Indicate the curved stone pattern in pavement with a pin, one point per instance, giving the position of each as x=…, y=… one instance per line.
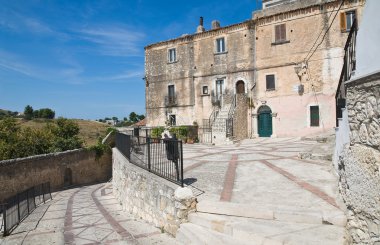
x=85, y=215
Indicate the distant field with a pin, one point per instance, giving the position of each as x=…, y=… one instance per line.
x=90, y=131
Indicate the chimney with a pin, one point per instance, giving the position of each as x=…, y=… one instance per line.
x=200, y=28
x=215, y=25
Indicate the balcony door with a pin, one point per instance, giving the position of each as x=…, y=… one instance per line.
x=171, y=94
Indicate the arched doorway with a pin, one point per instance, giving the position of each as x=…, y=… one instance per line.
x=264, y=121
x=240, y=87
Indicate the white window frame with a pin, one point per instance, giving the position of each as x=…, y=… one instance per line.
x=203, y=92
x=351, y=13
x=172, y=58
x=220, y=45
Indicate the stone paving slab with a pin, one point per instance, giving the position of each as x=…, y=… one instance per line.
x=85, y=215
x=263, y=179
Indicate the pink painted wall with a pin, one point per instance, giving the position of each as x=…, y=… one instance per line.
x=293, y=114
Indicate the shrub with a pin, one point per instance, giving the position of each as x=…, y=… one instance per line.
x=156, y=132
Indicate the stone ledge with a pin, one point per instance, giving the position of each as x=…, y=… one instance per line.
x=367, y=78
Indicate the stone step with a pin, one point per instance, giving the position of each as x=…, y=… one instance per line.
x=228, y=226
x=192, y=234
x=279, y=213
x=258, y=231
x=315, y=156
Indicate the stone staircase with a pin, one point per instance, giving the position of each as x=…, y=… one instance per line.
x=235, y=223
x=219, y=127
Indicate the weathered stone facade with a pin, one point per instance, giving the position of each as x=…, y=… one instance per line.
x=20, y=174
x=150, y=197
x=197, y=65
x=301, y=81
x=360, y=162
x=251, y=53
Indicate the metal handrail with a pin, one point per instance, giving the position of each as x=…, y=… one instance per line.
x=162, y=157
x=213, y=116
x=348, y=69
x=230, y=118
x=18, y=207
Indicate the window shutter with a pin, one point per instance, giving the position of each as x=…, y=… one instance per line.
x=277, y=33
x=343, y=24
x=283, y=32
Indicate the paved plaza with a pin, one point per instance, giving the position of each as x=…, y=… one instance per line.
x=258, y=189
x=261, y=190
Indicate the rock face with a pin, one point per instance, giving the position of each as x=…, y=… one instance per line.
x=150, y=197
x=360, y=162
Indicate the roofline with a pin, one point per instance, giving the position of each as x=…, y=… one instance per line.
x=201, y=34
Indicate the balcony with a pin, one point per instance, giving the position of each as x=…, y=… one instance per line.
x=171, y=100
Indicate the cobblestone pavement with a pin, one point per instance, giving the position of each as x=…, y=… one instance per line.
x=85, y=215
x=263, y=172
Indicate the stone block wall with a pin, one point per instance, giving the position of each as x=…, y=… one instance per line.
x=240, y=117
x=150, y=197
x=359, y=165
x=20, y=174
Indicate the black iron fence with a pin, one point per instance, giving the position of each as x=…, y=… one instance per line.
x=349, y=67
x=18, y=207
x=163, y=157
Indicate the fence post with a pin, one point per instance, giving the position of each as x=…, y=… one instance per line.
x=148, y=143
x=5, y=219
x=27, y=200
x=34, y=196
x=50, y=191
x=181, y=163
x=18, y=207
x=43, y=192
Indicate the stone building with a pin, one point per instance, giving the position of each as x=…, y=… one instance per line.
x=274, y=75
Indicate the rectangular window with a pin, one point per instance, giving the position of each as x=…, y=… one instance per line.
x=172, y=56
x=172, y=120
x=205, y=89
x=314, y=116
x=171, y=91
x=347, y=20
x=280, y=33
x=220, y=45
x=271, y=84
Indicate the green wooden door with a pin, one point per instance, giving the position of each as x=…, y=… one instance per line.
x=265, y=124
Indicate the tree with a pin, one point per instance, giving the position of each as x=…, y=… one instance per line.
x=17, y=142
x=46, y=113
x=115, y=119
x=141, y=117
x=133, y=117
x=66, y=135
x=28, y=112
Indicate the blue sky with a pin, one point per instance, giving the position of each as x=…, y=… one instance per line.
x=85, y=59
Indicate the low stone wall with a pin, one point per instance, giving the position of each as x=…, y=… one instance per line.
x=150, y=197
x=360, y=162
x=76, y=167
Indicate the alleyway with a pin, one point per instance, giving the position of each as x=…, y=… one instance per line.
x=85, y=215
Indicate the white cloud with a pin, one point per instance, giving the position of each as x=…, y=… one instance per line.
x=114, y=41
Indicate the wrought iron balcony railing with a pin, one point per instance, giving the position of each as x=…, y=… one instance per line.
x=349, y=67
x=171, y=100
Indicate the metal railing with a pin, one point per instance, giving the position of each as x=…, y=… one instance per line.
x=230, y=118
x=18, y=207
x=349, y=67
x=213, y=116
x=171, y=100
x=163, y=157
